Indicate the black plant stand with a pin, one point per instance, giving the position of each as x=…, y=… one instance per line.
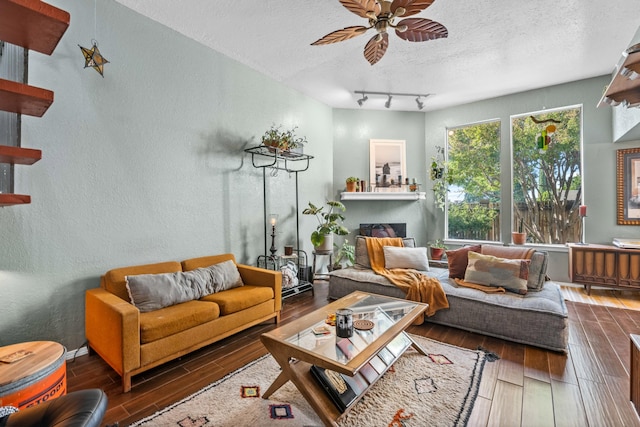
x=291, y=162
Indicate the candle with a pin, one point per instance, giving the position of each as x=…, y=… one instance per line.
x=583, y=210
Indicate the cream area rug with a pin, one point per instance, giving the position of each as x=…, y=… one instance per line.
x=435, y=390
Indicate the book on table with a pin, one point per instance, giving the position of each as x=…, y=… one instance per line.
x=338, y=388
x=627, y=243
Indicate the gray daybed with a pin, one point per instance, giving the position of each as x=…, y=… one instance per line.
x=539, y=318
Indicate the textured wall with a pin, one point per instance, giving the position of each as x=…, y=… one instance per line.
x=352, y=131
x=145, y=165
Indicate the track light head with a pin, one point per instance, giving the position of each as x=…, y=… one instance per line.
x=420, y=103
x=363, y=99
x=388, y=103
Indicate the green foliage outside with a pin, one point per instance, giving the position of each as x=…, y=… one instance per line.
x=547, y=183
x=474, y=168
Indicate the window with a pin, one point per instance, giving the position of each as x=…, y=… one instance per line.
x=473, y=178
x=547, y=184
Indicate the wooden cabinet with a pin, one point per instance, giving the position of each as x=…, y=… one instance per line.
x=38, y=26
x=604, y=265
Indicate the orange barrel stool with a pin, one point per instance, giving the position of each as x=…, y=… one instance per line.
x=32, y=373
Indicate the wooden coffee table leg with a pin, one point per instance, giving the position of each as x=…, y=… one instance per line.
x=416, y=346
x=282, y=379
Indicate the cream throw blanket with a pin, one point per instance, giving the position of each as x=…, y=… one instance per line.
x=417, y=286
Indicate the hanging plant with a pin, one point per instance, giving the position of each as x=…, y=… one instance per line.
x=440, y=178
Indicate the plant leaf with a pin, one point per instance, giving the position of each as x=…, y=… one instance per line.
x=341, y=35
x=420, y=30
x=374, y=50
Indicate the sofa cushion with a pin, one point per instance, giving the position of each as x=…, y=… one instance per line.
x=238, y=299
x=458, y=260
x=151, y=292
x=403, y=257
x=362, y=253
x=167, y=321
x=115, y=281
x=537, y=268
x=488, y=270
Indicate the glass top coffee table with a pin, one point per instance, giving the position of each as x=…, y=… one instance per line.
x=333, y=373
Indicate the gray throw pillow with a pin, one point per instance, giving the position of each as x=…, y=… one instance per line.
x=151, y=292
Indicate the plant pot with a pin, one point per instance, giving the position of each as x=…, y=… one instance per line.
x=273, y=145
x=327, y=245
x=436, y=253
x=351, y=186
x=519, y=238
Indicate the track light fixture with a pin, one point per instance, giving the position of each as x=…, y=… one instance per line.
x=363, y=99
x=388, y=103
x=390, y=95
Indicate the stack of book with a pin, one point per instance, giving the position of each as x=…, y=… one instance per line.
x=627, y=243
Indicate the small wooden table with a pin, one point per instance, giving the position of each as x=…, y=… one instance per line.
x=38, y=374
x=296, y=348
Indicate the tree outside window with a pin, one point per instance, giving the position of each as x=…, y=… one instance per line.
x=473, y=173
x=547, y=184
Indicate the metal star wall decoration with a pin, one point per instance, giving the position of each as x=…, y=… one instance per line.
x=93, y=58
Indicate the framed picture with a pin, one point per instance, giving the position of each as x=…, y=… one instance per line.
x=628, y=186
x=387, y=164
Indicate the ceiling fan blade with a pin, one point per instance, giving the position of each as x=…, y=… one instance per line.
x=374, y=50
x=362, y=7
x=411, y=7
x=420, y=30
x=341, y=35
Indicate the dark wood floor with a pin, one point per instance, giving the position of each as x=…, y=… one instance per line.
x=526, y=387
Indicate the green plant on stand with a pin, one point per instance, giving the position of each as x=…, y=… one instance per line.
x=284, y=140
x=329, y=223
x=346, y=252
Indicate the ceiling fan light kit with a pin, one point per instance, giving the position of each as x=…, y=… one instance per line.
x=382, y=15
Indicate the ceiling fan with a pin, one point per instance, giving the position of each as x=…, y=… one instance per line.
x=381, y=15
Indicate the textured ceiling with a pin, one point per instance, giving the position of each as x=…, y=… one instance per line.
x=495, y=47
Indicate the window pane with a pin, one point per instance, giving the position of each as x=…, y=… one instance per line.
x=547, y=184
x=473, y=173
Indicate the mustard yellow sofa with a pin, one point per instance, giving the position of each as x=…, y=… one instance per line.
x=131, y=341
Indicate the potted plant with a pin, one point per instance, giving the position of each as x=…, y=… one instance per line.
x=329, y=223
x=440, y=178
x=284, y=140
x=519, y=237
x=346, y=252
x=437, y=249
x=352, y=184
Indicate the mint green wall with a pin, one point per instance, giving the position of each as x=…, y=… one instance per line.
x=351, y=133
x=353, y=128
x=145, y=165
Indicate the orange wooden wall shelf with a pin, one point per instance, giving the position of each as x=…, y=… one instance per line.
x=24, y=99
x=14, y=199
x=32, y=24
x=19, y=155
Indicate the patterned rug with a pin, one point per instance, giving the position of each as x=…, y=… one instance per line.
x=438, y=390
